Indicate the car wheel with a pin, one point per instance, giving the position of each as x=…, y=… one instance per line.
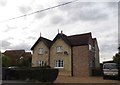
x=104, y=77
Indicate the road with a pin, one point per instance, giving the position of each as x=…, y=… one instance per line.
x=63, y=80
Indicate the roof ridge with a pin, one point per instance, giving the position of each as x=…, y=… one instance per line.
x=80, y=34
x=46, y=38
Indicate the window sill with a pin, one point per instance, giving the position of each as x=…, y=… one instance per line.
x=40, y=54
x=59, y=67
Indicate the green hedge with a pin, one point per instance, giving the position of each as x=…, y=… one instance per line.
x=41, y=74
x=97, y=72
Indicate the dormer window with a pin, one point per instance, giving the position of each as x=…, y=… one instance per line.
x=59, y=49
x=41, y=51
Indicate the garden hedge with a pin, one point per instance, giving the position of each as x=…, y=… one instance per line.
x=41, y=74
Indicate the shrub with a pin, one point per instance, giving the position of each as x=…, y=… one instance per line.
x=41, y=74
x=97, y=72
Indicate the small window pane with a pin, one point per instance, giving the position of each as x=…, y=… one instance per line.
x=59, y=49
x=59, y=64
x=40, y=63
x=41, y=51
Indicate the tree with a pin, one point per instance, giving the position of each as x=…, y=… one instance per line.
x=22, y=62
x=116, y=59
x=6, y=61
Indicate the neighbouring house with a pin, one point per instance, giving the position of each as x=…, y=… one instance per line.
x=18, y=56
x=74, y=55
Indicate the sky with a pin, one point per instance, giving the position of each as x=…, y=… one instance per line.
x=99, y=18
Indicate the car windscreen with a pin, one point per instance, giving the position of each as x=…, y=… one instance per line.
x=110, y=66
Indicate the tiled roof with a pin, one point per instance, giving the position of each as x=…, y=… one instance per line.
x=46, y=41
x=80, y=39
x=63, y=37
x=94, y=40
x=27, y=55
x=73, y=40
x=14, y=53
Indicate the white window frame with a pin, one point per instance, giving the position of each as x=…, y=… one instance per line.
x=40, y=63
x=59, y=64
x=59, y=49
x=41, y=51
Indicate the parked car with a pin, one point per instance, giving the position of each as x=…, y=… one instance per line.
x=12, y=67
x=110, y=70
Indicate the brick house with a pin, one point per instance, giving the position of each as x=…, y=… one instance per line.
x=74, y=55
x=17, y=55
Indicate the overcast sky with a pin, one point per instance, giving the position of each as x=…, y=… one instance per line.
x=99, y=18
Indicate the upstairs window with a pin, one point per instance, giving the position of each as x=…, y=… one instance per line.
x=59, y=64
x=59, y=49
x=41, y=51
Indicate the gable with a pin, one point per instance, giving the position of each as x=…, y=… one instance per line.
x=60, y=42
x=62, y=37
x=44, y=40
x=41, y=44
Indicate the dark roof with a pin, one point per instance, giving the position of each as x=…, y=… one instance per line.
x=27, y=55
x=94, y=41
x=73, y=40
x=63, y=37
x=14, y=53
x=80, y=39
x=46, y=41
x=108, y=61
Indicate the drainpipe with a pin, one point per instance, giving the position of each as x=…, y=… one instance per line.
x=49, y=57
x=71, y=61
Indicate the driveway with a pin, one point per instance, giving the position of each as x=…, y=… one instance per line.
x=64, y=79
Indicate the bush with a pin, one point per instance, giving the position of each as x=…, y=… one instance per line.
x=97, y=72
x=41, y=74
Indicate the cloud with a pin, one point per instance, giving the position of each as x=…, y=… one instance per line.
x=112, y=5
x=24, y=46
x=5, y=44
x=57, y=20
x=31, y=38
x=108, y=48
x=81, y=11
x=9, y=28
x=40, y=15
x=3, y=2
x=25, y=9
